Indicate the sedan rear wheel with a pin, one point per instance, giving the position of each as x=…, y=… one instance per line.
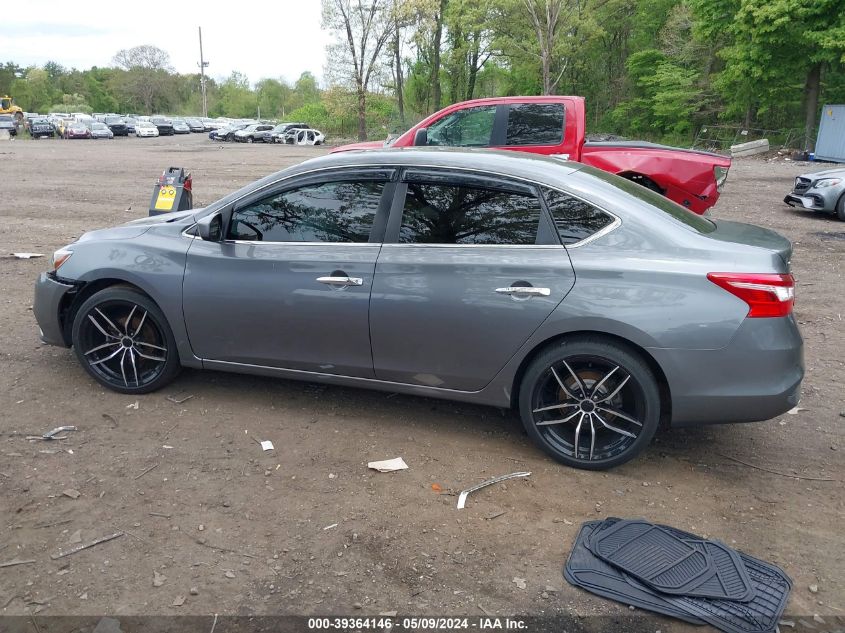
x=840, y=208
x=123, y=340
x=590, y=403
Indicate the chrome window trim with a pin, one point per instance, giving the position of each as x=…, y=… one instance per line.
x=617, y=221
x=423, y=245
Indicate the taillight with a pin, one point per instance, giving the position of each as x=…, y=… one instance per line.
x=767, y=295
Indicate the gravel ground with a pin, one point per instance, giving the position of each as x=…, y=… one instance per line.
x=215, y=524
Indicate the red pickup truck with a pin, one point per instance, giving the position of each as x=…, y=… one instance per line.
x=556, y=126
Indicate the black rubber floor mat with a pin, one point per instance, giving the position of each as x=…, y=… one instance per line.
x=584, y=569
x=731, y=580
x=759, y=615
x=655, y=556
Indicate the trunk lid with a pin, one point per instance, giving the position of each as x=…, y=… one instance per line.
x=751, y=235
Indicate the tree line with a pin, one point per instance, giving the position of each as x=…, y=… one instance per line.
x=655, y=69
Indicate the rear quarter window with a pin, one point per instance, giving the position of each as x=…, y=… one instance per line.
x=575, y=219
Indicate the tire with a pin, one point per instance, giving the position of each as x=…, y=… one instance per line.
x=621, y=407
x=249, y=139
x=123, y=340
x=840, y=208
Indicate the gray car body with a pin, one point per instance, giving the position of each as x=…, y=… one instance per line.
x=806, y=194
x=427, y=321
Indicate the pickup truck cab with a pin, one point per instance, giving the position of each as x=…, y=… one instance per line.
x=556, y=126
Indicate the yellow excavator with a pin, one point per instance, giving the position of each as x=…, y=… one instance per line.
x=7, y=106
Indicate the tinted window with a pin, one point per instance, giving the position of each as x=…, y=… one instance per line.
x=326, y=212
x=535, y=124
x=442, y=214
x=471, y=127
x=681, y=214
x=575, y=219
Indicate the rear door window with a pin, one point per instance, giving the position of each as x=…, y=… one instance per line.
x=436, y=213
x=535, y=124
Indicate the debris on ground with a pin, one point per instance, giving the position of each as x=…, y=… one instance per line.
x=134, y=405
x=267, y=445
x=814, y=588
x=229, y=573
x=52, y=434
x=796, y=410
x=70, y=492
x=519, y=582
x=462, y=498
x=178, y=601
x=436, y=488
x=329, y=527
x=144, y=472
x=388, y=465
x=75, y=538
x=79, y=548
x=17, y=561
x=177, y=400
x=158, y=579
x=27, y=255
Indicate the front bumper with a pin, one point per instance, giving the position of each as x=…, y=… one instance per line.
x=756, y=377
x=821, y=199
x=49, y=299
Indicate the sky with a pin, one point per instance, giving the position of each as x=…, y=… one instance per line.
x=275, y=39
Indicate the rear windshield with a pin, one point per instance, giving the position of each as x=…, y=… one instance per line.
x=681, y=214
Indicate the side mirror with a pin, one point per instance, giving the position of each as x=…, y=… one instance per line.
x=210, y=228
x=421, y=137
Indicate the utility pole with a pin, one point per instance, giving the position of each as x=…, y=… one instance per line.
x=203, y=64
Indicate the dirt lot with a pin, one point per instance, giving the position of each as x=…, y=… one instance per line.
x=307, y=528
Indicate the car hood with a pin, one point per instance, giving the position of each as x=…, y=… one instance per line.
x=359, y=146
x=838, y=172
x=162, y=218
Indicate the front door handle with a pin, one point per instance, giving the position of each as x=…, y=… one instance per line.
x=341, y=281
x=524, y=291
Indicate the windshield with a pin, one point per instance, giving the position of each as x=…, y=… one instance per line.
x=114, y=119
x=100, y=126
x=656, y=200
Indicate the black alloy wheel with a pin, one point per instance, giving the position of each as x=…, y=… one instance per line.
x=123, y=340
x=590, y=403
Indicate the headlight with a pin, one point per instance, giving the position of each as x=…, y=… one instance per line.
x=827, y=182
x=721, y=175
x=60, y=257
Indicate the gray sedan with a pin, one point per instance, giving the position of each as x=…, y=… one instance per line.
x=820, y=191
x=595, y=307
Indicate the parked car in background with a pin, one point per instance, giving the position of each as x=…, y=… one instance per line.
x=77, y=130
x=180, y=126
x=41, y=127
x=130, y=124
x=253, y=133
x=556, y=126
x=227, y=133
x=117, y=125
x=195, y=125
x=299, y=136
x=8, y=123
x=278, y=133
x=569, y=271
x=210, y=124
x=145, y=129
x=820, y=191
x=101, y=130
x=164, y=125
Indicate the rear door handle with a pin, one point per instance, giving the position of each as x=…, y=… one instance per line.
x=524, y=291
x=341, y=281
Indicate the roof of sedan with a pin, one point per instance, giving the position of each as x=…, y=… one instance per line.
x=512, y=163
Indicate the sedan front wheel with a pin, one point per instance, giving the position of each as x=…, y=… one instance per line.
x=123, y=341
x=590, y=403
